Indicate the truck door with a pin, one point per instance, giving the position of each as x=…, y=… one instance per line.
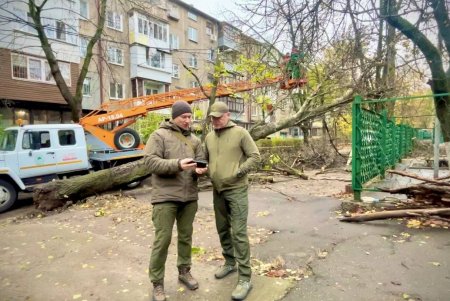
x=71, y=153
x=36, y=156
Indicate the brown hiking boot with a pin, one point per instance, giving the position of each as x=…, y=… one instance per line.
x=158, y=292
x=186, y=278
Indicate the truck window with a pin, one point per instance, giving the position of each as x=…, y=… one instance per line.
x=8, y=140
x=67, y=137
x=36, y=140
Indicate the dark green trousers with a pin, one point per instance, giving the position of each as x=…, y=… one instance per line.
x=231, y=211
x=164, y=216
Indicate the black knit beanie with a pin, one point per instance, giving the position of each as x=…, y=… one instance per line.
x=180, y=107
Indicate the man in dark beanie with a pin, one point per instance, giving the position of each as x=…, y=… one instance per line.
x=170, y=154
x=180, y=107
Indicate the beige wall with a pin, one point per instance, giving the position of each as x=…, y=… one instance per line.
x=200, y=48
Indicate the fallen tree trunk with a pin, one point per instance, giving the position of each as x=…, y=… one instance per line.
x=395, y=214
x=292, y=172
x=414, y=176
x=55, y=194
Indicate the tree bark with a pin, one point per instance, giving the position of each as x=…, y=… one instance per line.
x=55, y=194
x=395, y=214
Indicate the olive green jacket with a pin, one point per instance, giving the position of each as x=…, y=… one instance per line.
x=163, y=151
x=231, y=153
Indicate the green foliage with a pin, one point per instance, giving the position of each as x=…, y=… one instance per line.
x=198, y=113
x=254, y=68
x=146, y=126
x=276, y=142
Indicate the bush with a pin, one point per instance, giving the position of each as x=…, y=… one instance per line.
x=277, y=142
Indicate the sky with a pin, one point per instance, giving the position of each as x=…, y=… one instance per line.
x=214, y=8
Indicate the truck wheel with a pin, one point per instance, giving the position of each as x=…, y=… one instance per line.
x=126, y=139
x=8, y=195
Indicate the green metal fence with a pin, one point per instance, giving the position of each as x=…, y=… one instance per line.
x=377, y=144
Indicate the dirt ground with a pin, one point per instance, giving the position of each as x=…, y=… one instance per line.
x=100, y=247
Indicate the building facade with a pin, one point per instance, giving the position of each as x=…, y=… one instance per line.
x=146, y=48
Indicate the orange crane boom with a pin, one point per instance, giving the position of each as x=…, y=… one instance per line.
x=129, y=110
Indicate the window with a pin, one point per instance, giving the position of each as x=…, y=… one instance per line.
x=192, y=34
x=193, y=61
x=67, y=137
x=115, y=55
x=84, y=9
x=174, y=41
x=209, y=28
x=20, y=69
x=210, y=55
x=60, y=30
x=158, y=30
x=150, y=88
x=157, y=60
x=24, y=21
x=87, y=86
x=254, y=110
x=37, y=69
x=192, y=16
x=8, y=142
x=65, y=72
x=194, y=84
x=114, y=20
x=83, y=46
x=235, y=104
x=48, y=73
x=36, y=140
x=175, y=71
x=143, y=26
x=116, y=90
x=39, y=116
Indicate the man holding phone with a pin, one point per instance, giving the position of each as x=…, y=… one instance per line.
x=231, y=153
x=170, y=153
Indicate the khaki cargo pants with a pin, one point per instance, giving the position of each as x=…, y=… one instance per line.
x=164, y=216
x=231, y=211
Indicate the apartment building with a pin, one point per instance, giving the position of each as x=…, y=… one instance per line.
x=27, y=88
x=142, y=51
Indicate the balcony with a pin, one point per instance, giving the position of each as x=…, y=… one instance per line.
x=225, y=43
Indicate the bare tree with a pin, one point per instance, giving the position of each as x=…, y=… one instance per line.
x=432, y=20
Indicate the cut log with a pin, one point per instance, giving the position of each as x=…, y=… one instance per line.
x=55, y=194
x=395, y=214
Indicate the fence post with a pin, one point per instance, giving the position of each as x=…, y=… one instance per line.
x=356, y=147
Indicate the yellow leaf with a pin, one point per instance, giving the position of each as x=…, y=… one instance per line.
x=181, y=289
x=405, y=296
x=76, y=296
x=435, y=263
x=414, y=223
x=263, y=213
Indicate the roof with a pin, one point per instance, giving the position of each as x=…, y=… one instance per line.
x=194, y=9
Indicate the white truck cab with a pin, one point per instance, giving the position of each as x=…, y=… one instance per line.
x=35, y=154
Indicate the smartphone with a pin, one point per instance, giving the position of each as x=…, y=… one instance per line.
x=201, y=163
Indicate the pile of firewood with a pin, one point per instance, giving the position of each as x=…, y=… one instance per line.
x=428, y=199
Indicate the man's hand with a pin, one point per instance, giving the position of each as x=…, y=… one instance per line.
x=187, y=163
x=201, y=171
